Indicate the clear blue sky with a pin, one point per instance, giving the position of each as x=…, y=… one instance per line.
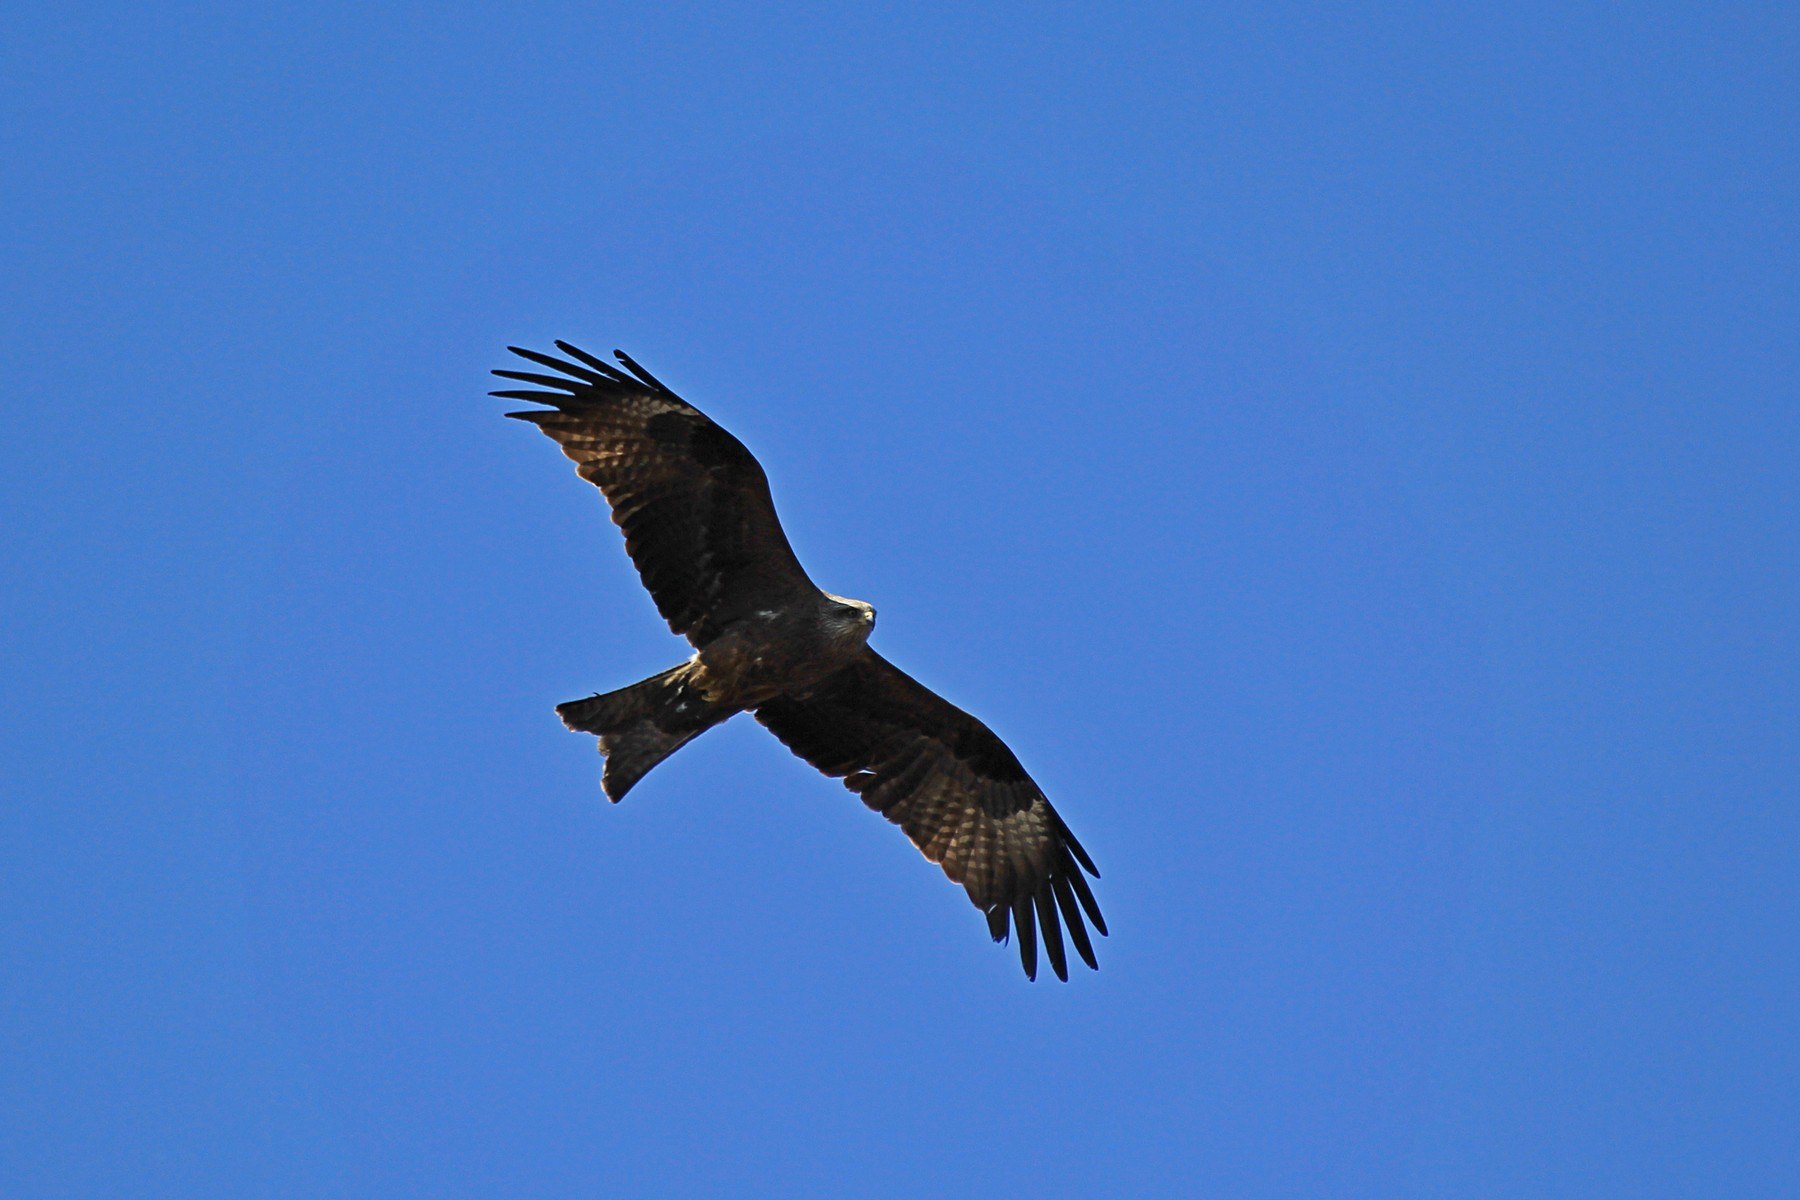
x=1354, y=459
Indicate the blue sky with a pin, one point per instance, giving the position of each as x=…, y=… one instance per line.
x=1352, y=457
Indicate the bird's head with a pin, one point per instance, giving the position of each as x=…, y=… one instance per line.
x=853, y=617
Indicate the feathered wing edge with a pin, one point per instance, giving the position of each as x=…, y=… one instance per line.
x=694, y=504
x=1065, y=890
x=586, y=371
x=896, y=744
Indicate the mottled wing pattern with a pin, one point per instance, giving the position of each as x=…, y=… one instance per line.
x=694, y=503
x=957, y=791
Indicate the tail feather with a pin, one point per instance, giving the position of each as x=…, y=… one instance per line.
x=643, y=724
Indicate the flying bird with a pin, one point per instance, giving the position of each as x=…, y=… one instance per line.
x=700, y=526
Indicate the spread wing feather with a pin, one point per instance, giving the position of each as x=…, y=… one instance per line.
x=694, y=504
x=957, y=792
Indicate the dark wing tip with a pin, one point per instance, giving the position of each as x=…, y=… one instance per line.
x=998, y=925
x=599, y=364
x=1051, y=931
x=631, y=365
x=1085, y=894
x=571, y=386
x=1075, y=848
x=1025, y=917
x=1055, y=905
x=1065, y=900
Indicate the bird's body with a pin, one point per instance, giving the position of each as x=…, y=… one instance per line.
x=700, y=525
x=783, y=651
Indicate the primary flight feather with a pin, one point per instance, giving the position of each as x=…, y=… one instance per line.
x=700, y=526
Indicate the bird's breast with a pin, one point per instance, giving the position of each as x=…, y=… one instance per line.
x=759, y=659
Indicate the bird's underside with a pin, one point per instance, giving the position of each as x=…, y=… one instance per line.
x=700, y=526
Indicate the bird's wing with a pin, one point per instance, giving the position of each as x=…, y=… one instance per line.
x=694, y=503
x=957, y=791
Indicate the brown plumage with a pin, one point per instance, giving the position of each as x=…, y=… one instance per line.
x=700, y=526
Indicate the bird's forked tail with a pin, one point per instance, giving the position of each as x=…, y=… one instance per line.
x=643, y=724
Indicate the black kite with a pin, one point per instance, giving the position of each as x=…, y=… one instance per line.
x=701, y=528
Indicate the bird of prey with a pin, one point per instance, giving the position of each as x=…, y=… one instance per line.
x=700, y=526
